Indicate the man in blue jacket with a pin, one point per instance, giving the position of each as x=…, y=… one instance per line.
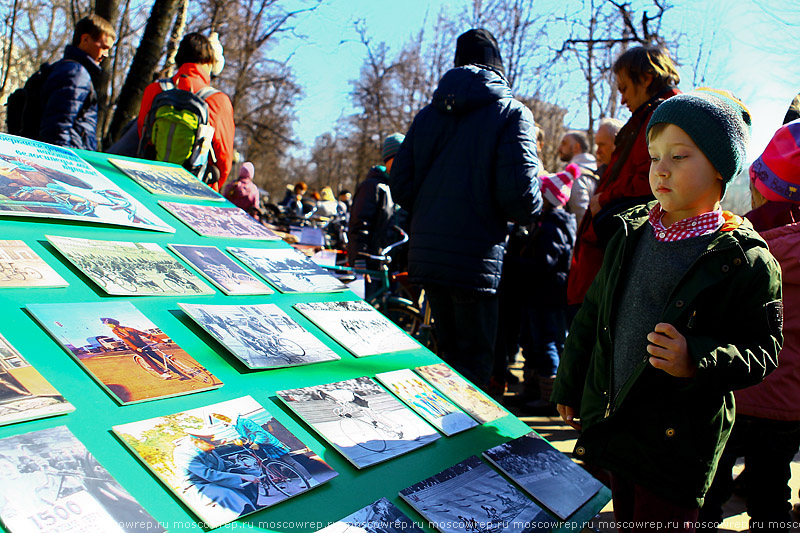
x=467, y=166
x=69, y=99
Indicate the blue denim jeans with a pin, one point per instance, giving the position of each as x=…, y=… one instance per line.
x=544, y=331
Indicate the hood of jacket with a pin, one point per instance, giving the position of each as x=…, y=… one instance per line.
x=466, y=88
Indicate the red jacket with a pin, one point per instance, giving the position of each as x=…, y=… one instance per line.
x=191, y=77
x=630, y=181
x=778, y=396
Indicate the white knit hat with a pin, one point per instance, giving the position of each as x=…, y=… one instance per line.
x=219, y=58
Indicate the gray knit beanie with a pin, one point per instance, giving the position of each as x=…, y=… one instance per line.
x=717, y=122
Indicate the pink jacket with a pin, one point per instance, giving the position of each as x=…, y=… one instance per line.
x=778, y=396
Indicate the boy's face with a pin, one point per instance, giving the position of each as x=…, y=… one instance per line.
x=682, y=178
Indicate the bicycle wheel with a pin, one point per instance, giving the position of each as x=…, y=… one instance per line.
x=139, y=360
x=173, y=285
x=124, y=284
x=363, y=434
x=289, y=349
x=285, y=478
x=189, y=368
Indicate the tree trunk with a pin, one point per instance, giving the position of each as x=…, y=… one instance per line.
x=175, y=36
x=143, y=66
x=108, y=9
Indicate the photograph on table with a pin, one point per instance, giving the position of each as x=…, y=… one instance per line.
x=358, y=327
x=381, y=516
x=42, y=180
x=426, y=401
x=50, y=482
x=226, y=460
x=166, y=179
x=545, y=473
x=220, y=270
x=366, y=424
x=471, y=496
x=461, y=392
x=20, y=266
x=129, y=356
x=261, y=335
x=24, y=393
x=130, y=268
x=287, y=270
x=213, y=221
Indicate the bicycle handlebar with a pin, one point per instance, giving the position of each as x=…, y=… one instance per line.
x=384, y=253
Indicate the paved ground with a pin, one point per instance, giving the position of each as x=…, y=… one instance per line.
x=563, y=438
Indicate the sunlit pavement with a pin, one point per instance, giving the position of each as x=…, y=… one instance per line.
x=563, y=438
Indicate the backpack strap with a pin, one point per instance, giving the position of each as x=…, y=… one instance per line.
x=206, y=92
x=166, y=84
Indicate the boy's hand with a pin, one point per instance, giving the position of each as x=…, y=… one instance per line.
x=568, y=415
x=669, y=352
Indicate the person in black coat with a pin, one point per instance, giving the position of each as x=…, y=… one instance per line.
x=69, y=99
x=467, y=166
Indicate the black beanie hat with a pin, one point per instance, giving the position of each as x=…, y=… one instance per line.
x=478, y=47
x=717, y=122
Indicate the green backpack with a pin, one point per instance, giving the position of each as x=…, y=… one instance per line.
x=176, y=129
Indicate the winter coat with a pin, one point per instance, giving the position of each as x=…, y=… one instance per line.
x=69, y=115
x=467, y=165
x=625, y=183
x=662, y=432
x=191, y=77
x=243, y=193
x=543, y=261
x=778, y=397
x=371, y=215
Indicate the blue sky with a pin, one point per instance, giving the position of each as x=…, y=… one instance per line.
x=754, y=43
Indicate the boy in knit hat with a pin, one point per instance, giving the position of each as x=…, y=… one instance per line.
x=543, y=263
x=686, y=308
x=767, y=429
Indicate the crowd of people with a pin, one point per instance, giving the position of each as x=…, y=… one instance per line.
x=638, y=303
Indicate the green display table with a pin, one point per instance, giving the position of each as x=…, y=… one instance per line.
x=96, y=412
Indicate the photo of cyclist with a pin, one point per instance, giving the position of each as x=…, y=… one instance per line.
x=263, y=443
x=140, y=342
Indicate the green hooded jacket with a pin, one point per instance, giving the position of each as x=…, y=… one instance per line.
x=663, y=432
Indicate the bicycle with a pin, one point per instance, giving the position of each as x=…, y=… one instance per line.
x=11, y=272
x=274, y=346
x=362, y=426
x=416, y=321
x=171, y=364
x=177, y=284
x=272, y=472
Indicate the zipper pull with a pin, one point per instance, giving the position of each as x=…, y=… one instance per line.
x=690, y=324
x=608, y=409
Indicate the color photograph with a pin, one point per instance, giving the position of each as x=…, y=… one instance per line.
x=213, y=221
x=462, y=392
x=166, y=179
x=129, y=356
x=220, y=270
x=226, y=460
x=130, y=268
x=20, y=266
x=49, y=482
x=426, y=401
x=358, y=326
x=24, y=393
x=545, y=473
x=261, y=336
x=360, y=419
x=42, y=180
x=470, y=496
x=287, y=269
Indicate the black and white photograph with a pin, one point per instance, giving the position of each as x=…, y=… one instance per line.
x=287, y=270
x=470, y=496
x=261, y=335
x=130, y=268
x=213, y=221
x=220, y=270
x=381, y=516
x=49, y=482
x=545, y=473
x=20, y=266
x=365, y=423
x=358, y=326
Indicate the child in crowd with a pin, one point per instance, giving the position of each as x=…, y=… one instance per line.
x=686, y=308
x=767, y=429
x=544, y=258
